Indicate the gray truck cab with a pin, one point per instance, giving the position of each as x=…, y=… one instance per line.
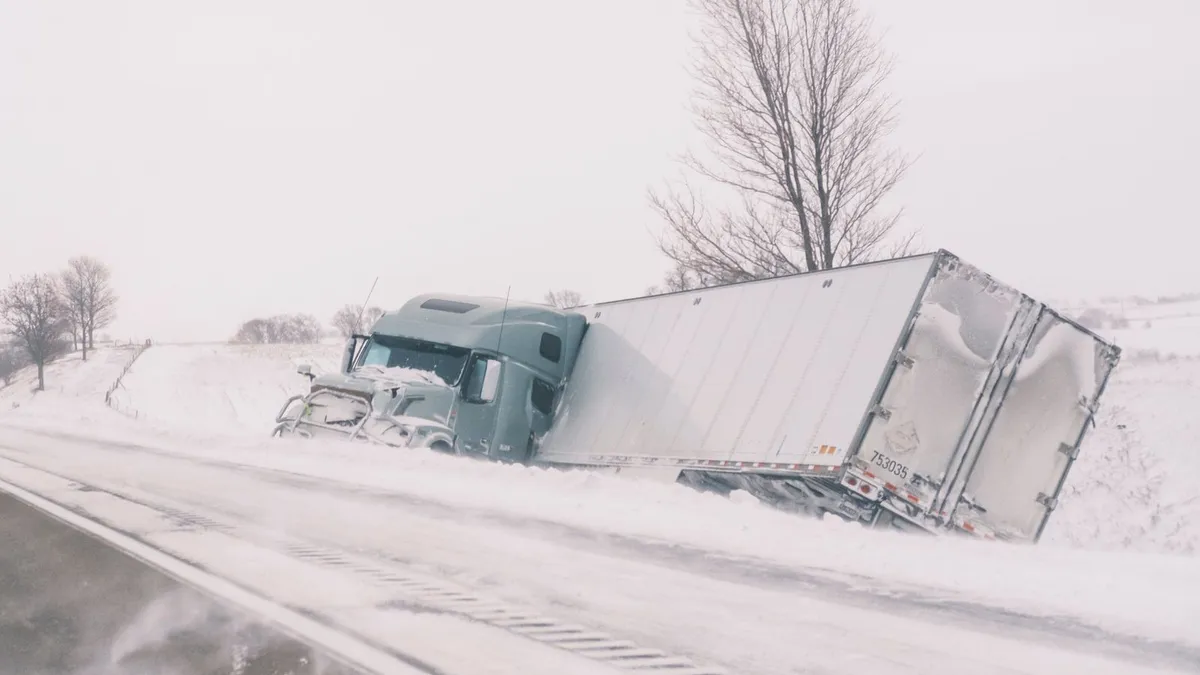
x=489, y=371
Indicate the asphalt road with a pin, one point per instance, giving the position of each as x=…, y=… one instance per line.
x=69, y=604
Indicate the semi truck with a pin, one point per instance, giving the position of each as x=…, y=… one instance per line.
x=916, y=393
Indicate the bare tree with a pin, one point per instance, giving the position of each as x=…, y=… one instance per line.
x=74, y=298
x=11, y=361
x=564, y=299
x=90, y=298
x=33, y=311
x=680, y=278
x=281, y=329
x=791, y=97
x=347, y=320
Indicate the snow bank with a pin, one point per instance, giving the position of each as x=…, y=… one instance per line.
x=1136, y=484
x=70, y=382
x=234, y=387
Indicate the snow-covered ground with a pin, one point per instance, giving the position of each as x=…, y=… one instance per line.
x=71, y=383
x=230, y=387
x=720, y=580
x=732, y=584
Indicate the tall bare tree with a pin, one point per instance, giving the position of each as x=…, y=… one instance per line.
x=33, y=312
x=791, y=97
x=74, y=298
x=89, y=294
x=563, y=299
x=353, y=319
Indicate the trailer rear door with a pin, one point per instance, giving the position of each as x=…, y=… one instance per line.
x=1015, y=478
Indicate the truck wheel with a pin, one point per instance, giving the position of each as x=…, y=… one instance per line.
x=443, y=447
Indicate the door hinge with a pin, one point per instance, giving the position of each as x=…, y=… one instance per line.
x=1047, y=501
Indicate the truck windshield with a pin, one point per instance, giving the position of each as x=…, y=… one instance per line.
x=397, y=352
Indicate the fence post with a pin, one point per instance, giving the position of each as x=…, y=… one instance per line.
x=124, y=371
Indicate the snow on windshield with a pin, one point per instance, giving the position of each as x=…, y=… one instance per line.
x=404, y=374
x=400, y=356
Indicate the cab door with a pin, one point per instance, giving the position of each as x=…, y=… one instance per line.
x=480, y=392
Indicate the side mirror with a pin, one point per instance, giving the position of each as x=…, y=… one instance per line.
x=484, y=381
x=491, y=381
x=306, y=370
x=348, y=354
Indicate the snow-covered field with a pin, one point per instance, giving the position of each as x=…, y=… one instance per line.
x=1119, y=555
x=228, y=387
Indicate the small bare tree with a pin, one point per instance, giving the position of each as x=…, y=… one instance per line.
x=791, y=97
x=90, y=298
x=564, y=299
x=33, y=311
x=347, y=320
x=11, y=361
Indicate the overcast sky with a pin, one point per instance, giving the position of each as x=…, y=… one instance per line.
x=233, y=159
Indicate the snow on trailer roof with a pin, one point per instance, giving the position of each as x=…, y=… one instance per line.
x=939, y=254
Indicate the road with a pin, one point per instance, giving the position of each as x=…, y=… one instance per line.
x=69, y=604
x=425, y=579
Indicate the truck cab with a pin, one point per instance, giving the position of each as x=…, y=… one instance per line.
x=482, y=375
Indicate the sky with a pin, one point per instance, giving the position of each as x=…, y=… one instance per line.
x=237, y=159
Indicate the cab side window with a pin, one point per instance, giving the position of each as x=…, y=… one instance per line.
x=542, y=396
x=550, y=347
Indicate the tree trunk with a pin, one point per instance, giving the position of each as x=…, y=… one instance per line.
x=41, y=375
x=83, y=341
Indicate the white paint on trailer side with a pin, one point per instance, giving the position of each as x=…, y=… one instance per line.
x=624, y=377
x=765, y=371
x=778, y=389
x=654, y=384
x=748, y=391
x=850, y=358
x=751, y=304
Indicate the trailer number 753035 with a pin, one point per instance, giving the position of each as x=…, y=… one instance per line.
x=890, y=465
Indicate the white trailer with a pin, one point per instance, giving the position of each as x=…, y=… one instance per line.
x=917, y=392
